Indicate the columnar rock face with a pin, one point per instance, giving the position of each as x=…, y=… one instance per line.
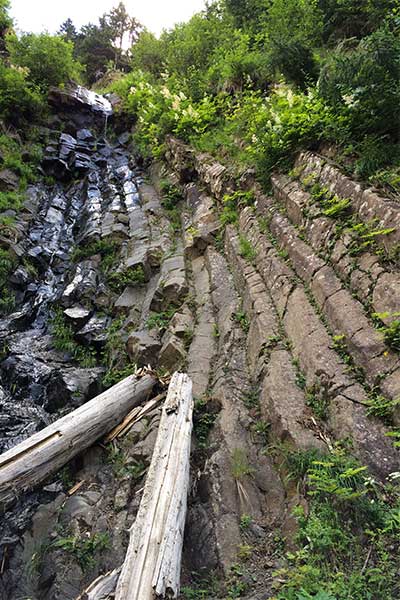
x=271, y=318
x=95, y=255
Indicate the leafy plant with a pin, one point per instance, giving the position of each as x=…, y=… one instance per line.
x=107, y=249
x=239, y=464
x=241, y=318
x=251, y=398
x=246, y=249
x=121, y=466
x=48, y=59
x=391, y=333
x=64, y=341
x=381, y=407
x=203, y=421
x=161, y=319
x=83, y=549
x=118, y=280
x=245, y=522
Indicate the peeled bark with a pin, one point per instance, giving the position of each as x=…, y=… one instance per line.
x=33, y=460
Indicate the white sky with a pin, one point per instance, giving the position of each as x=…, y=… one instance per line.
x=38, y=15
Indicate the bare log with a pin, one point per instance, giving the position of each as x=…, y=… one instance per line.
x=152, y=564
x=33, y=460
x=134, y=416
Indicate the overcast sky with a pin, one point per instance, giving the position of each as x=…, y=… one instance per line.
x=37, y=15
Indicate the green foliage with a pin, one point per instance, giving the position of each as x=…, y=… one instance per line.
x=295, y=463
x=203, y=420
x=5, y=19
x=236, y=583
x=123, y=467
x=100, y=46
x=251, y=398
x=48, y=59
x=20, y=103
x=363, y=83
x=161, y=319
x=248, y=13
x=344, y=19
x=338, y=478
x=318, y=401
x=63, y=335
x=160, y=110
x=148, y=53
x=84, y=549
x=115, y=375
x=246, y=249
x=391, y=332
x=245, y=522
x=171, y=194
x=115, y=357
x=280, y=125
x=240, y=466
x=239, y=66
x=294, y=28
x=7, y=266
x=346, y=514
x=107, y=249
x=118, y=280
x=241, y=318
x=205, y=82
x=232, y=203
x=66, y=477
x=381, y=407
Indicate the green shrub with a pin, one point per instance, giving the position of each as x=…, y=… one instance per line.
x=148, y=53
x=278, y=126
x=203, y=422
x=246, y=249
x=48, y=59
x=7, y=266
x=83, y=549
x=64, y=341
x=294, y=28
x=363, y=83
x=20, y=103
x=118, y=280
x=391, y=334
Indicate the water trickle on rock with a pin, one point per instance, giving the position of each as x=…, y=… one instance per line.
x=94, y=179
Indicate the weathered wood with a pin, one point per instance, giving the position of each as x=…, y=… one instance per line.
x=102, y=588
x=33, y=460
x=135, y=415
x=152, y=564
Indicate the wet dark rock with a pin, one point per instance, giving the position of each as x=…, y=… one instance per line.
x=93, y=198
x=83, y=285
x=67, y=147
x=124, y=138
x=55, y=167
x=95, y=331
x=76, y=97
x=85, y=135
x=77, y=314
x=20, y=277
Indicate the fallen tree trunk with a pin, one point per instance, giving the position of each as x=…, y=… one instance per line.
x=33, y=460
x=153, y=560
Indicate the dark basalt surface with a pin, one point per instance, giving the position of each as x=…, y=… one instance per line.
x=39, y=383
